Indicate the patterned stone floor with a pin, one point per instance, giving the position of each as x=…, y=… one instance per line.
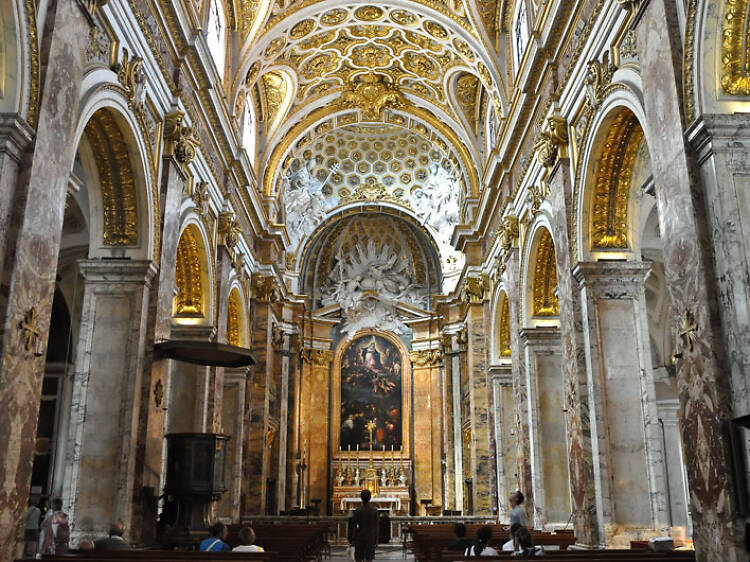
x=338, y=554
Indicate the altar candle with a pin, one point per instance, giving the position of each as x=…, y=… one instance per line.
x=349, y=447
x=358, y=447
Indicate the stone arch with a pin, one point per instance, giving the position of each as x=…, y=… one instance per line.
x=111, y=162
x=193, y=298
x=615, y=165
x=236, y=318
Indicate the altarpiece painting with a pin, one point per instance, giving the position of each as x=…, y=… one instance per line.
x=371, y=384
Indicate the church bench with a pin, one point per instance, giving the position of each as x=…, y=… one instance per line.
x=614, y=555
x=157, y=556
x=299, y=542
x=429, y=540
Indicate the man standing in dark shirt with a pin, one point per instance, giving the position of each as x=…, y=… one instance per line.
x=365, y=523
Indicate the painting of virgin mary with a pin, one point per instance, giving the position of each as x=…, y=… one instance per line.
x=371, y=391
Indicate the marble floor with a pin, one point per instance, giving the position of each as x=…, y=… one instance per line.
x=338, y=554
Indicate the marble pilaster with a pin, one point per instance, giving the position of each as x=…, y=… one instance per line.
x=100, y=467
x=232, y=406
x=721, y=143
x=15, y=138
x=547, y=427
x=427, y=427
x=284, y=419
x=314, y=426
x=704, y=381
x=157, y=377
x=480, y=466
x=255, y=397
x=27, y=283
x=573, y=363
x=628, y=459
x=454, y=409
x=522, y=473
x=504, y=427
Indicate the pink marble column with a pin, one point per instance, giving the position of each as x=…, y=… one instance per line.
x=27, y=281
x=702, y=374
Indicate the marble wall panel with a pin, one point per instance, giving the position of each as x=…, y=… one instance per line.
x=479, y=394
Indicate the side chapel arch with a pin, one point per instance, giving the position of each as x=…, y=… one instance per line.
x=193, y=298
x=111, y=166
x=539, y=277
x=236, y=318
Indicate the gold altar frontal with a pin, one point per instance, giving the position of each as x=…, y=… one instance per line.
x=388, y=484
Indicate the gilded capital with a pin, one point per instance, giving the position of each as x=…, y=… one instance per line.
x=229, y=229
x=426, y=357
x=475, y=289
x=507, y=232
x=132, y=77
x=319, y=357
x=179, y=140
x=266, y=289
x=552, y=143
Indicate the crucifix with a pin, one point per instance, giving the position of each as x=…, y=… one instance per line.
x=371, y=427
x=688, y=331
x=30, y=331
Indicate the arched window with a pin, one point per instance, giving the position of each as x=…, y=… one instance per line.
x=248, y=128
x=520, y=33
x=216, y=37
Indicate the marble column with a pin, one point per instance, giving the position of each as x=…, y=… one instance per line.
x=15, y=138
x=151, y=466
x=100, y=468
x=480, y=466
x=284, y=418
x=427, y=444
x=505, y=439
x=703, y=374
x=574, y=366
x=314, y=427
x=255, y=426
x=32, y=237
x=216, y=374
x=625, y=434
x=453, y=413
x=186, y=410
x=721, y=143
x=232, y=406
x=547, y=427
x=522, y=474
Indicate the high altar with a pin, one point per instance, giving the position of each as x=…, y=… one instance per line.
x=374, y=440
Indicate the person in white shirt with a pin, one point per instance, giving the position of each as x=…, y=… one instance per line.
x=484, y=534
x=517, y=514
x=247, y=538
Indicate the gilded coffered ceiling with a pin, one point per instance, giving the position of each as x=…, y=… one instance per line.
x=383, y=97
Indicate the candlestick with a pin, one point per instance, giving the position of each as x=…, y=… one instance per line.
x=349, y=447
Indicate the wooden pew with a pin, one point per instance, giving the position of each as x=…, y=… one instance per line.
x=584, y=556
x=157, y=556
x=428, y=541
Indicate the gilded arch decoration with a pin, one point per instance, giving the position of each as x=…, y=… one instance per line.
x=117, y=182
x=611, y=195
x=544, y=285
x=735, y=52
x=503, y=333
x=190, y=275
x=235, y=319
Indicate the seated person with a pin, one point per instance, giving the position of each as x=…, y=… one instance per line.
x=525, y=545
x=247, y=541
x=215, y=543
x=461, y=543
x=484, y=534
x=510, y=545
x=114, y=541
